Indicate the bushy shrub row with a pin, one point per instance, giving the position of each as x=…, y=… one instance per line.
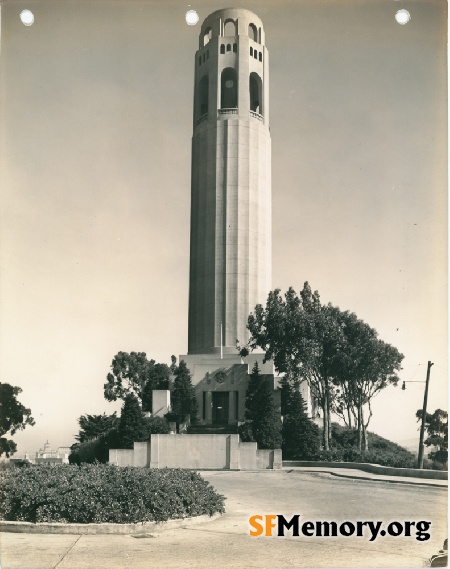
x=374, y=456
x=98, y=493
x=381, y=451
x=98, y=449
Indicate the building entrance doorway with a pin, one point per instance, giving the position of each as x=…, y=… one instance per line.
x=220, y=403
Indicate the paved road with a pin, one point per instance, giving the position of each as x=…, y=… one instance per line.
x=225, y=543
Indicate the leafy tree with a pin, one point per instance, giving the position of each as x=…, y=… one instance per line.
x=134, y=373
x=183, y=399
x=364, y=367
x=301, y=437
x=13, y=417
x=301, y=337
x=92, y=426
x=436, y=425
x=320, y=344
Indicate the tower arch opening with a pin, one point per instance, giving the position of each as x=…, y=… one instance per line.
x=203, y=96
x=253, y=32
x=207, y=36
x=255, y=85
x=228, y=89
x=229, y=28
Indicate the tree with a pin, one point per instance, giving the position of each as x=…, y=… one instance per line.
x=301, y=437
x=134, y=373
x=183, y=399
x=301, y=337
x=266, y=422
x=262, y=417
x=436, y=425
x=131, y=425
x=252, y=389
x=92, y=426
x=322, y=345
x=13, y=417
x=363, y=367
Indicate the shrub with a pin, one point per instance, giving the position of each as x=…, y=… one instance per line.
x=97, y=493
x=266, y=425
x=155, y=426
x=301, y=438
x=245, y=431
x=375, y=456
x=98, y=449
x=184, y=401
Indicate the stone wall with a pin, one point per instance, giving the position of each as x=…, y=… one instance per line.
x=214, y=452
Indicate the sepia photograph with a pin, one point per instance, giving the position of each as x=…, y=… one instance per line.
x=223, y=284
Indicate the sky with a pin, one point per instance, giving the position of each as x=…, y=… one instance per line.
x=95, y=145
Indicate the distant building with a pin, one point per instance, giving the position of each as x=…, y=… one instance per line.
x=48, y=455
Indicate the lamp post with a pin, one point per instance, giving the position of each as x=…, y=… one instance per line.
x=424, y=413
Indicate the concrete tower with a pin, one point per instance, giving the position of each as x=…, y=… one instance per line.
x=230, y=250
x=230, y=260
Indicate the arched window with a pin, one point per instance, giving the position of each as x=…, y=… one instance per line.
x=229, y=47
x=251, y=51
x=255, y=54
x=228, y=89
x=229, y=28
x=203, y=96
x=260, y=56
x=252, y=32
x=235, y=47
x=207, y=36
x=222, y=49
x=256, y=102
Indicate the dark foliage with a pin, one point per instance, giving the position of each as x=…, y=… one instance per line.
x=131, y=425
x=382, y=451
x=301, y=437
x=436, y=425
x=96, y=493
x=97, y=450
x=13, y=417
x=183, y=397
x=134, y=373
x=266, y=424
x=93, y=426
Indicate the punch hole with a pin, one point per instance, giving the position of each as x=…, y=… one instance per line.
x=191, y=17
x=402, y=17
x=27, y=17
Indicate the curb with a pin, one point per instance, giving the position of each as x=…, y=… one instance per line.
x=376, y=469
x=390, y=480
x=99, y=529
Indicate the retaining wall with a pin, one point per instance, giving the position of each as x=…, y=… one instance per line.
x=209, y=452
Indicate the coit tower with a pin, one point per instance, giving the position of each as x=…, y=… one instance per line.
x=230, y=244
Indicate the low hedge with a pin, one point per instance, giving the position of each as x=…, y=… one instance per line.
x=374, y=456
x=103, y=493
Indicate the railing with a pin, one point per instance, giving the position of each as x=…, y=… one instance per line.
x=256, y=116
x=228, y=111
x=201, y=119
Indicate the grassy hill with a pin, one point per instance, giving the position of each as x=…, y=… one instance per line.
x=344, y=447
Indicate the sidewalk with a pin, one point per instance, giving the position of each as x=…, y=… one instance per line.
x=362, y=475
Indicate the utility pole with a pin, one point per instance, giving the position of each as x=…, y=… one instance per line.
x=424, y=413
